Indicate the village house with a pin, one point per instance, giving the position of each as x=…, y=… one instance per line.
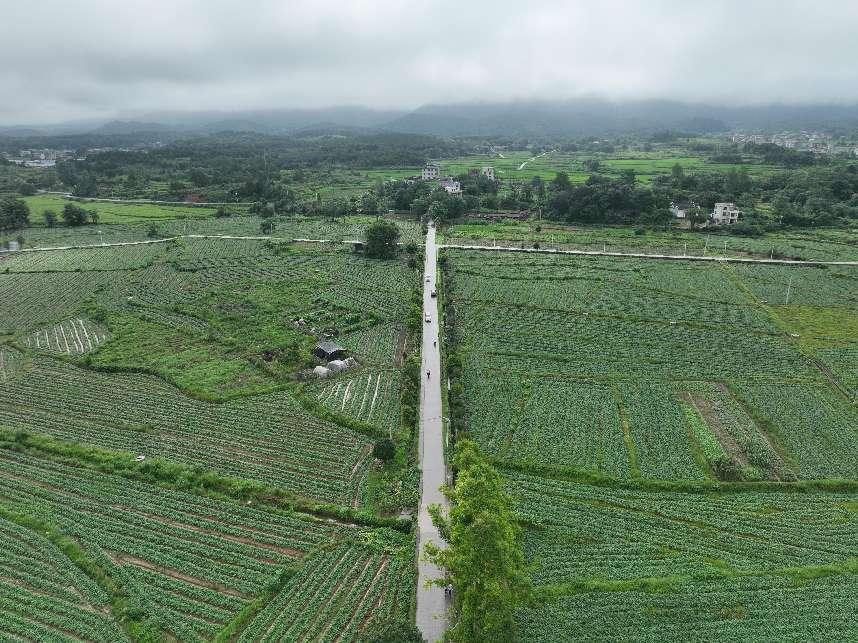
x=684, y=209
x=488, y=172
x=451, y=185
x=431, y=172
x=725, y=214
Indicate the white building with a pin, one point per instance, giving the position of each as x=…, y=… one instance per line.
x=488, y=172
x=725, y=214
x=431, y=171
x=451, y=185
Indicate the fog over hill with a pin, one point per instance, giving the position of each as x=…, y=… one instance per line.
x=590, y=117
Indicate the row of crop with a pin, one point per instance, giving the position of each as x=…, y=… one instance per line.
x=332, y=597
x=28, y=559
x=31, y=300
x=89, y=259
x=376, y=344
x=818, y=429
x=262, y=529
x=70, y=337
x=371, y=397
x=585, y=531
x=181, y=558
x=737, y=609
x=33, y=616
x=143, y=414
x=588, y=345
x=10, y=362
x=549, y=421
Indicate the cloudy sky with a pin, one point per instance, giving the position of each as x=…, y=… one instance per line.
x=69, y=59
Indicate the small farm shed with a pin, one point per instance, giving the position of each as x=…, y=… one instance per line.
x=328, y=350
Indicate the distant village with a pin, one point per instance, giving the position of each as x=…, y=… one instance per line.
x=802, y=141
x=48, y=157
x=40, y=158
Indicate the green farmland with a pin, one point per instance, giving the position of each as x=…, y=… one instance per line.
x=679, y=440
x=118, y=212
x=170, y=472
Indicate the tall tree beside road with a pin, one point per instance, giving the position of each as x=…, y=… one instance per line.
x=484, y=558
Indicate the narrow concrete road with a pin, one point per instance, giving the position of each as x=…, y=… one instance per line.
x=431, y=601
x=642, y=255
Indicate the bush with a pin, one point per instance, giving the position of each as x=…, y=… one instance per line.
x=384, y=449
x=400, y=631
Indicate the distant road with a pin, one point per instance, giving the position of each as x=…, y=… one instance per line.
x=641, y=255
x=522, y=166
x=431, y=601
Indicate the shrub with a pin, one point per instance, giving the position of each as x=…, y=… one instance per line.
x=384, y=449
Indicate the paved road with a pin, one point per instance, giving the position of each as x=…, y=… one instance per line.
x=431, y=602
x=641, y=255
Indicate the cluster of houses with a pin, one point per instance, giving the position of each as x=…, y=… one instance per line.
x=816, y=142
x=722, y=213
x=40, y=158
x=432, y=172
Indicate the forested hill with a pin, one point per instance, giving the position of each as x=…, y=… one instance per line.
x=533, y=119
x=598, y=117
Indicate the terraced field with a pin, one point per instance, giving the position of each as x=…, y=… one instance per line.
x=818, y=244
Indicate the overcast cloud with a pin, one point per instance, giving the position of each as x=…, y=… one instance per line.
x=68, y=59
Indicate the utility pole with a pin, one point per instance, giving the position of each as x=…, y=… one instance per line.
x=789, y=287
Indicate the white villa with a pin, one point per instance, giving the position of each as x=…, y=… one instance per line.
x=725, y=214
x=488, y=172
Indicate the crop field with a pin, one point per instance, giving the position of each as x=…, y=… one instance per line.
x=190, y=564
x=680, y=565
x=116, y=212
x=162, y=474
x=592, y=363
x=334, y=595
x=656, y=422
x=71, y=337
x=369, y=396
x=129, y=229
x=266, y=437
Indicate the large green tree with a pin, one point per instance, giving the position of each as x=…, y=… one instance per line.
x=381, y=241
x=14, y=214
x=74, y=215
x=483, y=559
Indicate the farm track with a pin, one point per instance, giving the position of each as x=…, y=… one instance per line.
x=642, y=255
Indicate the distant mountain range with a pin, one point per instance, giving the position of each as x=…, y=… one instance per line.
x=532, y=119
